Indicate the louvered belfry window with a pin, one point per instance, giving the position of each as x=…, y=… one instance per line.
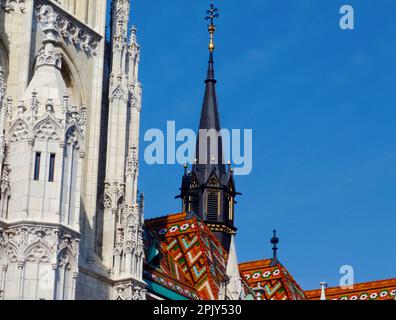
x=213, y=206
x=194, y=203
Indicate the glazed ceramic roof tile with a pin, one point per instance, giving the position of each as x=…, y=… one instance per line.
x=198, y=254
x=375, y=290
x=270, y=280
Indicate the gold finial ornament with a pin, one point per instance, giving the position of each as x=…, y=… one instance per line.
x=212, y=14
x=211, y=42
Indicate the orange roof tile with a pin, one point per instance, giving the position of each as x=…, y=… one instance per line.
x=270, y=280
x=374, y=290
x=194, y=248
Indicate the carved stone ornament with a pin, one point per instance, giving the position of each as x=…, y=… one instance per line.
x=29, y=126
x=113, y=195
x=13, y=6
x=47, y=130
x=19, y=131
x=119, y=87
x=3, y=87
x=5, y=181
x=135, y=97
x=50, y=58
x=38, y=244
x=122, y=8
x=132, y=165
x=127, y=290
x=68, y=27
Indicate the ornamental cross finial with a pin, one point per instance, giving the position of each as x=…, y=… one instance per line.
x=274, y=242
x=212, y=14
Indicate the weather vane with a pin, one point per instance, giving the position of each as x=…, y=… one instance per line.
x=212, y=14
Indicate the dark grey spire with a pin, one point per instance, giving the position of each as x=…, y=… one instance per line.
x=209, y=190
x=210, y=160
x=209, y=156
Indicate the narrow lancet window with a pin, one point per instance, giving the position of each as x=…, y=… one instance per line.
x=51, y=168
x=37, y=166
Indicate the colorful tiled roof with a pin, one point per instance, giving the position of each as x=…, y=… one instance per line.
x=161, y=270
x=375, y=290
x=270, y=280
x=184, y=260
x=162, y=283
x=187, y=241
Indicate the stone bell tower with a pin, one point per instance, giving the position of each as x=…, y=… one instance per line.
x=42, y=153
x=70, y=100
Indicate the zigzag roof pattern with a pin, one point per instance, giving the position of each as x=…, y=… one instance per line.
x=375, y=290
x=160, y=268
x=270, y=280
x=168, y=282
x=196, y=251
x=185, y=260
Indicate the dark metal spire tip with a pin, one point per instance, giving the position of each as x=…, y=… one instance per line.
x=274, y=242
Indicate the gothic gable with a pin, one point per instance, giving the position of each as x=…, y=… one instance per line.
x=118, y=94
x=47, y=130
x=19, y=131
x=213, y=181
x=38, y=252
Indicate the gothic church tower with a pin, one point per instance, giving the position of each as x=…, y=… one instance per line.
x=209, y=190
x=70, y=217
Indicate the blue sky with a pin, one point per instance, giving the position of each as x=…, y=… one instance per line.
x=321, y=103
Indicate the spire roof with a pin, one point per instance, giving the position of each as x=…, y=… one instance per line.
x=207, y=159
x=234, y=289
x=209, y=190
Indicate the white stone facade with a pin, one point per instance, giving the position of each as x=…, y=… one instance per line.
x=71, y=219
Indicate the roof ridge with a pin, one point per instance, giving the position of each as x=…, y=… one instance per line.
x=212, y=283
x=253, y=264
x=287, y=277
x=164, y=217
x=360, y=284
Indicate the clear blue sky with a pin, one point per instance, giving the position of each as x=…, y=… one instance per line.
x=322, y=106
